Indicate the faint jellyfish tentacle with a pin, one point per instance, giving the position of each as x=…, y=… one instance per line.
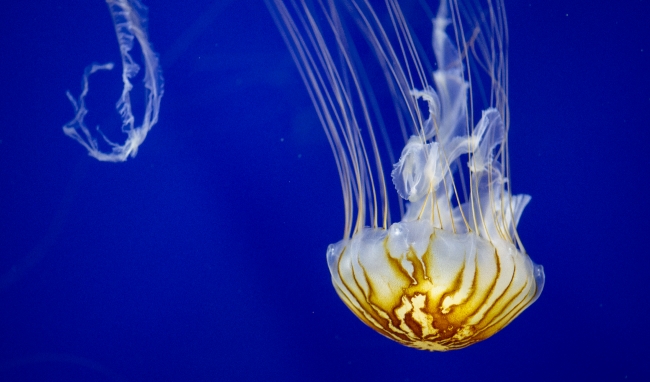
x=130, y=20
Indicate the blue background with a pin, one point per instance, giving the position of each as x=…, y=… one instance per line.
x=204, y=257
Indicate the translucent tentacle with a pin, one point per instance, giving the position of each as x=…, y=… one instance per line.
x=129, y=18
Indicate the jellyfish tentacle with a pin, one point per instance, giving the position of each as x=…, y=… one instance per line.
x=130, y=21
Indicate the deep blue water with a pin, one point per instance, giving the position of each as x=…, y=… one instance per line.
x=203, y=258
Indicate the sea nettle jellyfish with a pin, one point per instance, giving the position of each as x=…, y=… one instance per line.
x=130, y=20
x=453, y=270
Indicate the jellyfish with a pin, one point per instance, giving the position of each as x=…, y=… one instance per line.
x=130, y=21
x=453, y=270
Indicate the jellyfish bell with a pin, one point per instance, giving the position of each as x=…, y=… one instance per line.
x=453, y=270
